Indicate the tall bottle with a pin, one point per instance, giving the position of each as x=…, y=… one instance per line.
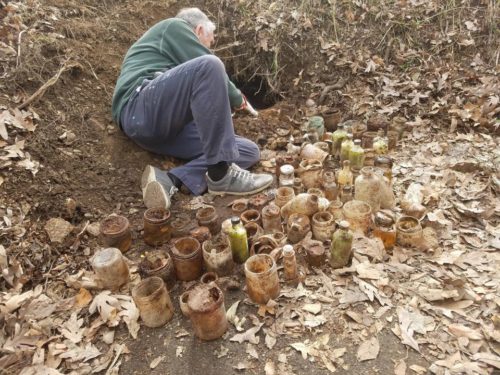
x=337, y=137
x=238, y=241
x=345, y=176
x=368, y=188
x=329, y=186
x=290, y=264
x=341, y=246
x=357, y=155
x=381, y=143
x=345, y=147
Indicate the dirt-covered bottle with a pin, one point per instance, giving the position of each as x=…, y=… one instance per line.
x=385, y=229
x=289, y=264
x=357, y=155
x=329, y=186
x=345, y=147
x=341, y=246
x=345, y=176
x=385, y=164
x=287, y=175
x=239, y=241
x=346, y=194
x=381, y=143
x=337, y=137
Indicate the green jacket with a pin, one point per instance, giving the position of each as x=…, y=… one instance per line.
x=167, y=44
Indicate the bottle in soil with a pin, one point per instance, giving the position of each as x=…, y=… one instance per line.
x=357, y=155
x=381, y=143
x=238, y=241
x=384, y=228
x=316, y=124
x=287, y=175
x=329, y=186
x=262, y=278
x=367, y=188
x=110, y=268
x=341, y=247
x=345, y=176
x=345, y=147
x=337, y=137
x=153, y=301
x=298, y=187
x=346, y=194
x=385, y=164
x=271, y=219
x=115, y=232
x=290, y=265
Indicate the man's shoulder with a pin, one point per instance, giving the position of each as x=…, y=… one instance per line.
x=173, y=24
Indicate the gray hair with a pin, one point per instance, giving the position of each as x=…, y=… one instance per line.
x=195, y=17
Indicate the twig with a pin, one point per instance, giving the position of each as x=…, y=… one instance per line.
x=47, y=84
x=234, y=44
x=19, y=47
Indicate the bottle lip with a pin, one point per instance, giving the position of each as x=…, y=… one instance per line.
x=357, y=142
x=288, y=249
x=344, y=224
x=235, y=220
x=287, y=169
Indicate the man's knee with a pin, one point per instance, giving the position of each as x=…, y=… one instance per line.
x=211, y=62
x=251, y=152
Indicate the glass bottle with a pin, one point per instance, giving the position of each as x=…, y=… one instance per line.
x=367, y=188
x=287, y=175
x=385, y=163
x=341, y=247
x=289, y=264
x=337, y=137
x=381, y=143
x=298, y=187
x=357, y=155
x=345, y=176
x=238, y=241
x=385, y=229
x=329, y=186
x=345, y=147
x=316, y=124
x=346, y=194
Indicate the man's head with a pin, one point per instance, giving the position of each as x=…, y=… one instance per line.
x=202, y=26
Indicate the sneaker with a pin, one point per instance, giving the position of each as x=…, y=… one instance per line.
x=238, y=181
x=157, y=188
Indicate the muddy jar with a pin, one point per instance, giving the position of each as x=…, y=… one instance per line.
x=312, y=152
x=322, y=226
x=188, y=260
x=297, y=227
x=152, y=300
x=110, y=268
x=329, y=186
x=217, y=256
x=254, y=231
x=310, y=173
x=207, y=217
x=367, y=139
x=205, y=307
x=250, y=216
x=316, y=124
x=316, y=254
x=290, y=265
x=385, y=164
x=287, y=175
x=180, y=225
x=346, y=194
x=157, y=230
x=209, y=277
x=335, y=208
x=271, y=219
x=359, y=215
x=393, y=137
x=316, y=191
x=298, y=187
x=262, y=278
x=385, y=229
x=332, y=118
x=239, y=205
x=408, y=231
x=201, y=234
x=283, y=195
x=358, y=128
x=164, y=269
x=341, y=246
x=115, y=232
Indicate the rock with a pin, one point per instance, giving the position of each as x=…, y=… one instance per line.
x=58, y=229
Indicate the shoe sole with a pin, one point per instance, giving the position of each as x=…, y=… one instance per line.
x=154, y=196
x=239, y=193
x=147, y=176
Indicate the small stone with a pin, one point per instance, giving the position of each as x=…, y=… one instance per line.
x=93, y=229
x=58, y=229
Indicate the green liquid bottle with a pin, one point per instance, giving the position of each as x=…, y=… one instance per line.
x=337, y=137
x=341, y=247
x=238, y=241
x=345, y=147
x=381, y=143
x=357, y=155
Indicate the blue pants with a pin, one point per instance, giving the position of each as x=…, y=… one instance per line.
x=185, y=113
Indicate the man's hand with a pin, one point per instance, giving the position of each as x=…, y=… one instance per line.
x=246, y=106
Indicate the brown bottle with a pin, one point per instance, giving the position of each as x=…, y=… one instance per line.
x=384, y=228
x=329, y=186
x=290, y=265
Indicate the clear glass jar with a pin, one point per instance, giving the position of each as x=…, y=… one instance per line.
x=345, y=176
x=337, y=137
x=367, y=188
x=357, y=155
x=287, y=175
x=341, y=247
x=316, y=124
x=329, y=186
x=345, y=147
x=262, y=278
x=381, y=143
x=359, y=215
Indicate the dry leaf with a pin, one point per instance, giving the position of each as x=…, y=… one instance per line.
x=407, y=330
x=155, y=362
x=270, y=368
x=459, y=330
x=270, y=341
x=71, y=329
x=400, y=367
x=58, y=229
x=313, y=308
x=368, y=350
x=249, y=335
x=107, y=306
x=83, y=298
